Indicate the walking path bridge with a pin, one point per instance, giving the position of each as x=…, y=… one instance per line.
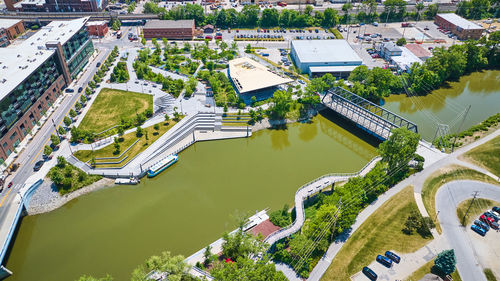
x=372, y=118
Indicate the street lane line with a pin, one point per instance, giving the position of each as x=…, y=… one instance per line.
x=1, y=203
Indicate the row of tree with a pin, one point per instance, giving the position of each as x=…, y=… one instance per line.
x=252, y=16
x=478, y=9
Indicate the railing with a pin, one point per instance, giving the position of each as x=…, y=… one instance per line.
x=203, y=272
x=374, y=159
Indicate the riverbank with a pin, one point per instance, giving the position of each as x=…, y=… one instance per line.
x=46, y=198
x=267, y=123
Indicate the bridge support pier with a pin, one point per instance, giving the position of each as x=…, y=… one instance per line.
x=4, y=272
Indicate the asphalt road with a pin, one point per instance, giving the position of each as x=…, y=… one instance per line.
x=447, y=199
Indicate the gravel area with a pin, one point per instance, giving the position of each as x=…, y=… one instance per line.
x=46, y=198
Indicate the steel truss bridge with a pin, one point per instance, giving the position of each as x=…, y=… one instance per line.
x=372, y=118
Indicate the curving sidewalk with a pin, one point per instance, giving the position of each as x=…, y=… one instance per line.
x=309, y=189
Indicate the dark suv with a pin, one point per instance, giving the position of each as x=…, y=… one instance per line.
x=369, y=273
x=395, y=258
x=38, y=165
x=384, y=260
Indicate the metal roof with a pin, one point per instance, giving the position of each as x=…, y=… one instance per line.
x=459, y=21
x=320, y=51
x=169, y=24
x=249, y=75
x=340, y=68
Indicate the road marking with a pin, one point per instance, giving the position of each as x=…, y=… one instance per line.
x=1, y=203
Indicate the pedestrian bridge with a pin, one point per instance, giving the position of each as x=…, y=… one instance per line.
x=372, y=118
x=9, y=221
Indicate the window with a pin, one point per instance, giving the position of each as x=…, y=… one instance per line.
x=13, y=136
x=4, y=144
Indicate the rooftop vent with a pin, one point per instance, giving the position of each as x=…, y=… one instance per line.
x=3, y=80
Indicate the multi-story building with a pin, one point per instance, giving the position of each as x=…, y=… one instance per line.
x=13, y=28
x=33, y=74
x=170, y=29
x=58, y=5
x=4, y=41
x=97, y=28
x=459, y=26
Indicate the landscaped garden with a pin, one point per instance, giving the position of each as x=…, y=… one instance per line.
x=112, y=106
x=68, y=178
x=127, y=146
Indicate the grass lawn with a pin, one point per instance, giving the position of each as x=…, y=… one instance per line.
x=421, y=272
x=479, y=206
x=489, y=275
x=128, y=139
x=445, y=175
x=111, y=105
x=486, y=155
x=382, y=231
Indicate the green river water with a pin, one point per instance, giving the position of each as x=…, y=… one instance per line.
x=192, y=203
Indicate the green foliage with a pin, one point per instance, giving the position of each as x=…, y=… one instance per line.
x=68, y=178
x=281, y=217
x=247, y=269
x=374, y=84
x=401, y=41
x=72, y=113
x=174, y=266
x=139, y=131
x=400, y=148
x=240, y=244
x=416, y=223
x=78, y=106
x=281, y=104
x=61, y=131
x=446, y=261
x=67, y=121
x=120, y=73
x=79, y=135
x=55, y=140
x=47, y=150
x=115, y=24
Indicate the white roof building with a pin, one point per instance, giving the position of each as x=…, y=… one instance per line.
x=405, y=60
x=17, y=62
x=248, y=75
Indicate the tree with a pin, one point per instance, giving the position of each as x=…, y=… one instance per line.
x=67, y=121
x=401, y=41
x=282, y=101
x=47, y=150
x=143, y=41
x=253, y=100
x=446, y=262
x=55, y=140
x=78, y=106
x=269, y=18
x=139, y=131
x=400, y=148
x=174, y=266
x=248, y=49
x=117, y=146
x=156, y=127
x=61, y=131
x=61, y=162
x=167, y=118
x=281, y=217
x=413, y=222
x=72, y=113
x=247, y=269
x=330, y=18
x=120, y=130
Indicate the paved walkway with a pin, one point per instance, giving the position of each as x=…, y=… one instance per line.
x=309, y=189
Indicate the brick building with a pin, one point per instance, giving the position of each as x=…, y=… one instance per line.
x=13, y=28
x=34, y=73
x=170, y=29
x=459, y=26
x=4, y=41
x=97, y=28
x=57, y=5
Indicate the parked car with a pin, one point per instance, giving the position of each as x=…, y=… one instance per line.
x=494, y=225
x=38, y=165
x=482, y=225
x=384, y=260
x=218, y=37
x=98, y=64
x=486, y=219
x=492, y=215
x=369, y=273
x=395, y=258
x=69, y=90
x=80, y=89
x=478, y=230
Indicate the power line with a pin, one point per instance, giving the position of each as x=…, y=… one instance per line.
x=468, y=209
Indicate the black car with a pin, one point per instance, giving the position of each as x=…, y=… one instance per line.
x=69, y=90
x=369, y=273
x=98, y=64
x=496, y=209
x=395, y=258
x=38, y=165
x=384, y=261
x=80, y=89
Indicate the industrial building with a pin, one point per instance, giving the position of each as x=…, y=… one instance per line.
x=56, y=5
x=170, y=29
x=317, y=57
x=33, y=74
x=251, y=78
x=459, y=26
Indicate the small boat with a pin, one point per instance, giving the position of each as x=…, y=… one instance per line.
x=162, y=165
x=131, y=180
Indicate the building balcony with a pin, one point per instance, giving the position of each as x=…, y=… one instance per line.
x=16, y=105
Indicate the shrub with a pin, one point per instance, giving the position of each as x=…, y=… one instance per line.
x=446, y=262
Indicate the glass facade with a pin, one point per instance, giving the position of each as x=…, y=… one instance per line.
x=17, y=102
x=77, y=51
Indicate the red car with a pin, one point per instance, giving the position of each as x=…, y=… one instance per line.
x=208, y=37
x=487, y=220
x=218, y=37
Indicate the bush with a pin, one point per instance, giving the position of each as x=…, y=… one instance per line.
x=281, y=217
x=67, y=121
x=445, y=262
x=401, y=41
x=47, y=150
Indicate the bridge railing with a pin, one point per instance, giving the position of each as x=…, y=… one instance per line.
x=377, y=110
x=374, y=159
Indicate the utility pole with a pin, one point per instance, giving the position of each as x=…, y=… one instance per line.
x=470, y=205
x=458, y=131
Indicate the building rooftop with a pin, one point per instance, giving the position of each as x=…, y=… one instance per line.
x=248, y=75
x=19, y=61
x=459, y=21
x=6, y=23
x=91, y=23
x=418, y=50
x=391, y=47
x=311, y=51
x=30, y=2
x=169, y=24
x=406, y=60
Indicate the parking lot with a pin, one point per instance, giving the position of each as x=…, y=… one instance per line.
x=487, y=249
